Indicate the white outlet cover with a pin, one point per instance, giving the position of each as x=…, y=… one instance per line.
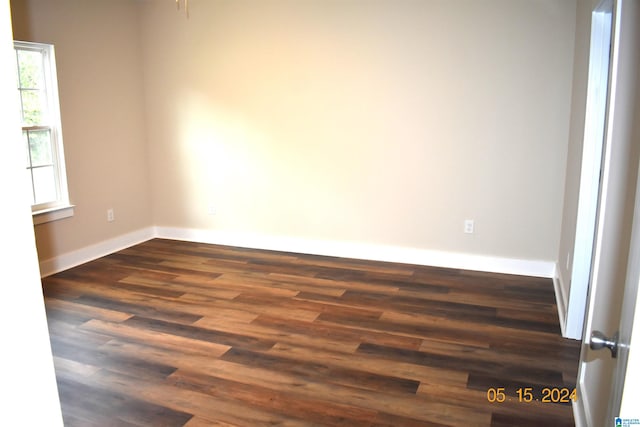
x=468, y=226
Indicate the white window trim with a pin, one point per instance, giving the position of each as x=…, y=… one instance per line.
x=52, y=214
x=61, y=208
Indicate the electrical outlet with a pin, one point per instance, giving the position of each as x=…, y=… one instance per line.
x=110, y=215
x=211, y=210
x=468, y=226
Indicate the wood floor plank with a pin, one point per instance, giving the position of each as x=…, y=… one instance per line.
x=484, y=354
x=278, y=335
x=86, y=311
x=306, y=409
x=130, y=364
x=342, y=284
x=180, y=399
x=275, y=282
x=87, y=402
x=77, y=368
x=347, y=333
x=167, y=341
x=495, y=370
x=187, y=334
x=201, y=422
x=422, y=374
x=309, y=369
x=198, y=333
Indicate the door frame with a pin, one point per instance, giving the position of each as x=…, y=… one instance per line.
x=598, y=90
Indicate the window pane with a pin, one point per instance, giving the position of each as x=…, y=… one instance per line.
x=30, y=69
x=41, y=136
x=44, y=184
x=33, y=107
x=40, y=146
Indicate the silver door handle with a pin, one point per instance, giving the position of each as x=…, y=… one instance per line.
x=599, y=340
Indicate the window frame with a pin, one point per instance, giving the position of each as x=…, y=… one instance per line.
x=61, y=207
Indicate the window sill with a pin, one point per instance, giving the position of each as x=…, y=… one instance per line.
x=52, y=214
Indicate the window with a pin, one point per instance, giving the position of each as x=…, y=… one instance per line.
x=41, y=129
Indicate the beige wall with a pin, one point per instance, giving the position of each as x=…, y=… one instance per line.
x=372, y=121
x=100, y=82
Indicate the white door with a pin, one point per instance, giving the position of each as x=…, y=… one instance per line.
x=616, y=262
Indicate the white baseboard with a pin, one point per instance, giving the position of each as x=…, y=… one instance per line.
x=341, y=249
x=363, y=251
x=71, y=259
x=561, y=302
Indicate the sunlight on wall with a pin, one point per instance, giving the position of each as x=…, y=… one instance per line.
x=214, y=155
x=252, y=182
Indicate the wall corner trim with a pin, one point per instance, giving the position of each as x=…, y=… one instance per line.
x=89, y=253
x=365, y=251
x=561, y=302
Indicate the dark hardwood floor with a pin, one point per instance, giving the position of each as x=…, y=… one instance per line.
x=171, y=333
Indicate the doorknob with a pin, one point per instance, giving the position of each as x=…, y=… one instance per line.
x=599, y=340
